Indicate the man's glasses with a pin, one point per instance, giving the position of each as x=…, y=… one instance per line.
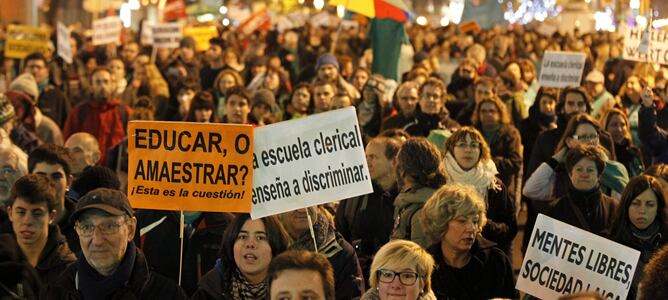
x=87, y=230
x=406, y=278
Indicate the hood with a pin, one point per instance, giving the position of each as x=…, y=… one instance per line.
x=414, y=195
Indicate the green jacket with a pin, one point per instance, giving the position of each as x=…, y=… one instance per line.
x=407, y=208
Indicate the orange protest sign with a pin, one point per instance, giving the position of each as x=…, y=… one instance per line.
x=190, y=166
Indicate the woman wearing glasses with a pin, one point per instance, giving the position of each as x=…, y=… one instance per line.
x=550, y=180
x=468, y=160
x=468, y=266
x=401, y=269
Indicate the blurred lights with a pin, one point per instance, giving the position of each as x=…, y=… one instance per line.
x=641, y=21
x=226, y=22
x=205, y=18
x=318, y=4
x=300, y=1
x=421, y=20
x=634, y=4
x=445, y=21
x=528, y=11
x=587, y=1
x=605, y=20
x=340, y=11
x=223, y=10
x=134, y=4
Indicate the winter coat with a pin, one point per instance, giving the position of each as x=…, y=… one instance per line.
x=595, y=213
x=407, y=208
x=488, y=274
x=54, y=104
x=506, y=152
x=629, y=156
x=211, y=286
x=54, y=257
x=501, y=226
x=652, y=137
x=423, y=123
x=143, y=284
x=161, y=244
x=395, y=121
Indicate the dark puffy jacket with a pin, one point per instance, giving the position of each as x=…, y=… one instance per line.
x=143, y=284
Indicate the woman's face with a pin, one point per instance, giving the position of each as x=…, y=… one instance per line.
x=226, y=83
x=515, y=70
x=584, y=175
x=584, y=134
x=252, y=252
x=203, y=115
x=461, y=233
x=643, y=209
x=548, y=106
x=633, y=87
x=301, y=99
x=467, y=153
x=359, y=79
x=230, y=58
x=271, y=81
x=396, y=290
x=489, y=114
x=617, y=128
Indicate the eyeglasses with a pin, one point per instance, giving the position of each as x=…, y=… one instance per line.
x=406, y=278
x=465, y=145
x=7, y=171
x=585, y=138
x=87, y=230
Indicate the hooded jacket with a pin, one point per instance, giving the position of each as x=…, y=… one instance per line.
x=407, y=208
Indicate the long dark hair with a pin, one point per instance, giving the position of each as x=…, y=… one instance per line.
x=420, y=160
x=635, y=187
x=276, y=236
x=202, y=100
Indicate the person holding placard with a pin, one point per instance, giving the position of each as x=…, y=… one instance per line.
x=468, y=160
x=642, y=223
x=468, y=266
x=401, y=270
x=247, y=248
x=652, y=136
x=419, y=171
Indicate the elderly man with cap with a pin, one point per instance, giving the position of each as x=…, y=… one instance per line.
x=111, y=267
x=602, y=99
x=327, y=69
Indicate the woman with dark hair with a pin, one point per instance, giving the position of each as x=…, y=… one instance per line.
x=419, y=173
x=201, y=109
x=468, y=160
x=542, y=117
x=247, y=249
x=642, y=223
x=278, y=82
x=616, y=123
x=300, y=104
x=550, y=179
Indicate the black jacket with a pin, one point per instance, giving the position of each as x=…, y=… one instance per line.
x=594, y=212
x=489, y=274
x=54, y=104
x=501, y=227
x=55, y=257
x=161, y=245
x=143, y=284
x=506, y=153
x=422, y=123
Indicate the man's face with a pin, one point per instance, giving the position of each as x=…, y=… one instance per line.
x=359, y=79
x=379, y=165
x=118, y=68
x=328, y=72
x=38, y=69
x=9, y=173
x=408, y=99
x=57, y=176
x=103, y=86
x=296, y=221
x=81, y=154
x=431, y=100
x=104, y=247
x=297, y=284
x=322, y=97
x=215, y=53
x=130, y=52
x=574, y=104
x=236, y=110
x=30, y=222
x=594, y=88
x=483, y=91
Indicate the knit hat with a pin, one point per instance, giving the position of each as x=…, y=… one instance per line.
x=263, y=96
x=595, y=77
x=26, y=83
x=93, y=177
x=326, y=59
x=187, y=42
x=6, y=109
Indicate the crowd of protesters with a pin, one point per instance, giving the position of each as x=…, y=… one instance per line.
x=456, y=147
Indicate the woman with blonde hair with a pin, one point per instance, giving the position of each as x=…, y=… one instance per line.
x=468, y=265
x=401, y=268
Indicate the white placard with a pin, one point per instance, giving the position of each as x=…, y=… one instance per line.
x=63, y=38
x=562, y=259
x=166, y=35
x=107, y=30
x=146, y=38
x=323, y=19
x=561, y=69
x=653, y=50
x=309, y=161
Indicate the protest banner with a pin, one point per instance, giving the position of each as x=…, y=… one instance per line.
x=23, y=40
x=561, y=69
x=305, y=162
x=562, y=259
x=260, y=20
x=655, y=41
x=201, y=35
x=166, y=35
x=63, y=38
x=190, y=166
x=107, y=30
x=323, y=19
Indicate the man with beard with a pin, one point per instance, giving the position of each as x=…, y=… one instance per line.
x=431, y=113
x=327, y=69
x=102, y=116
x=215, y=63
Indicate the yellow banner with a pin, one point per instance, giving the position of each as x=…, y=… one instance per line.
x=23, y=40
x=202, y=35
x=190, y=166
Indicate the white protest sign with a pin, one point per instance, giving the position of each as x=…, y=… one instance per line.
x=146, y=38
x=166, y=35
x=107, y=30
x=652, y=48
x=309, y=161
x=562, y=259
x=63, y=38
x=323, y=19
x=561, y=69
